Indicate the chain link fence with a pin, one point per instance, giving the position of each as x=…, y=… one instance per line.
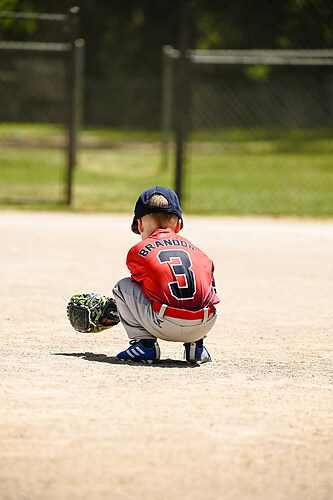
x=38, y=111
x=132, y=103
x=259, y=132
x=264, y=134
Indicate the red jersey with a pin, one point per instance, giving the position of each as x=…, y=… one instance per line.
x=173, y=271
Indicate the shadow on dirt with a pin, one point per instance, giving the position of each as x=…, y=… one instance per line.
x=112, y=360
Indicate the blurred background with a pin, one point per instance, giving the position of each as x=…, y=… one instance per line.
x=229, y=103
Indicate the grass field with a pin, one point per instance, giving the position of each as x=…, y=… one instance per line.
x=230, y=172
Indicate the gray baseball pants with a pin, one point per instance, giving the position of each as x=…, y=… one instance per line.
x=142, y=322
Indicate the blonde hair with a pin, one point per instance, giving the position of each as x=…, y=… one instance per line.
x=162, y=219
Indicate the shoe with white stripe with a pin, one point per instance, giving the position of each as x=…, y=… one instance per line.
x=147, y=353
x=196, y=352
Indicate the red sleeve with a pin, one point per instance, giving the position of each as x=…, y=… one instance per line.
x=133, y=264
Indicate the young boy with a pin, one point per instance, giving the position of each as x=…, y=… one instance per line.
x=171, y=292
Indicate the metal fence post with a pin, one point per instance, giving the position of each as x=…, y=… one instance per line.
x=166, y=102
x=182, y=95
x=72, y=98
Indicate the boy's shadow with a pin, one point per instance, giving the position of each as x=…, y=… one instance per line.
x=112, y=360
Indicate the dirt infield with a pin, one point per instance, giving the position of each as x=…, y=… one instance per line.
x=257, y=423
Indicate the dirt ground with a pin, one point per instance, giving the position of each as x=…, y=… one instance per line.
x=256, y=423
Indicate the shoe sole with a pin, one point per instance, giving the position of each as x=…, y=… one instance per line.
x=199, y=362
x=143, y=361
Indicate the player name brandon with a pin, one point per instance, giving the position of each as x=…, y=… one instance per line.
x=157, y=244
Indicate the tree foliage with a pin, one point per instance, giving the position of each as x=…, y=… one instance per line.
x=126, y=36
x=124, y=40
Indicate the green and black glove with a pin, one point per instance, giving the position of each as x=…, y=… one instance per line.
x=92, y=313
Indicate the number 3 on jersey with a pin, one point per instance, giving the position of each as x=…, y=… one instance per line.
x=180, y=263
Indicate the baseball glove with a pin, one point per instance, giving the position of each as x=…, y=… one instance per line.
x=92, y=313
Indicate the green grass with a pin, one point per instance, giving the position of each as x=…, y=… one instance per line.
x=229, y=172
x=119, y=136
x=32, y=173
x=29, y=130
x=110, y=180
x=275, y=184
x=276, y=135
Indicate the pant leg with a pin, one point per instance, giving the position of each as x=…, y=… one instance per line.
x=133, y=309
x=141, y=322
